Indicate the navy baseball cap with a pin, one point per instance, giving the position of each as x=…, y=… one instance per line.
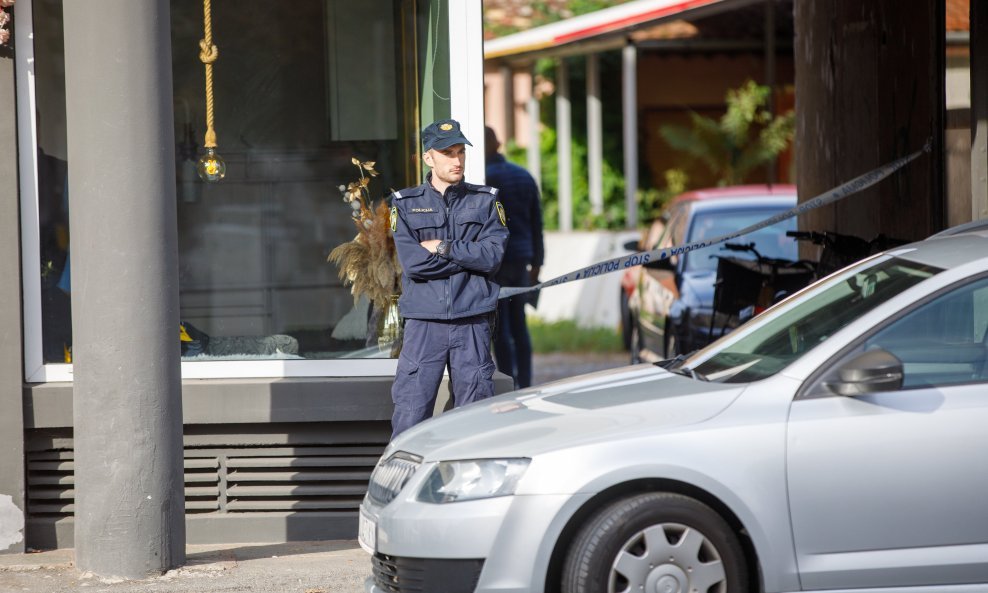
x=442, y=134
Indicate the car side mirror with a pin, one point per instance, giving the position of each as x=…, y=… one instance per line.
x=661, y=264
x=874, y=371
x=631, y=246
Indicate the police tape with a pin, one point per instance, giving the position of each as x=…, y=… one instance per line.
x=620, y=263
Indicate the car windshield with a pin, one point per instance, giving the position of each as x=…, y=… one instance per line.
x=770, y=241
x=795, y=328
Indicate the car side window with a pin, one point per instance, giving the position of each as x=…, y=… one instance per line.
x=675, y=232
x=941, y=342
x=678, y=225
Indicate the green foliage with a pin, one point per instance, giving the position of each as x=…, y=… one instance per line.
x=651, y=201
x=612, y=166
x=743, y=139
x=567, y=336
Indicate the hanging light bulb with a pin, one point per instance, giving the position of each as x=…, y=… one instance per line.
x=211, y=166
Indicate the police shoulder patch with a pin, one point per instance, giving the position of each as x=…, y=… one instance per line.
x=394, y=218
x=409, y=192
x=482, y=188
x=500, y=213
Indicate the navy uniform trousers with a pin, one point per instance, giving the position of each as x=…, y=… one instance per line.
x=428, y=348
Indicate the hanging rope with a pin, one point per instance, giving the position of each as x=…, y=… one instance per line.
x=208, y=53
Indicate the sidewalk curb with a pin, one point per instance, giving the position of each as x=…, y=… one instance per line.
x=31, y=561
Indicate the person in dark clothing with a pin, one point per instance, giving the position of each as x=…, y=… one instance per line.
x=450, y=237
x=522, y=259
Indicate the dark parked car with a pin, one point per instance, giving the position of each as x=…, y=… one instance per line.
x=670, y=302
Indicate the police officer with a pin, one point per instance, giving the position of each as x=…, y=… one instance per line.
x=450, y=237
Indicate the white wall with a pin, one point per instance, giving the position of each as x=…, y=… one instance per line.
x=593, y=302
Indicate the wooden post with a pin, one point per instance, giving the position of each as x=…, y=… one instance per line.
x=869, y=89
x=979, y=110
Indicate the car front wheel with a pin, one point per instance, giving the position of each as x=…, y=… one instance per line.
x=658, y=543
x=671, y=344
x=626, y=320
x=636, y=342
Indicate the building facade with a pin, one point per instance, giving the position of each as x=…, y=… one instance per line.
x=285, y=376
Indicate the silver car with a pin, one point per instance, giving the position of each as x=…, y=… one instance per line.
x=838, y=442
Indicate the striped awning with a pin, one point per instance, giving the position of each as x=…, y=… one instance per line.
x=597, y=26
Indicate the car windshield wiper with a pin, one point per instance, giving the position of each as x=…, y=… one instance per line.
x=689, y=373
x=673, y=365
x=673, y=362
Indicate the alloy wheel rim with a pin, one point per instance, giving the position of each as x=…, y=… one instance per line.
x=668, y=558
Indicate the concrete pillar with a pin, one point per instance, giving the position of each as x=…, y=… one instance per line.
x=127, y=406
x=564, y=146
x=12, y=517
x=595, y=145
x=979, y=110
x=534, y=150
x=466, y=68
x=507, y=79
x=629, y=108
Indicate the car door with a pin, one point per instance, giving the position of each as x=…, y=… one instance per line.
x=891, y=489
x=658, y=289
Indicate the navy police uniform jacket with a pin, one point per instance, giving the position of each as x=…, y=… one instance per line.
x=472, y=222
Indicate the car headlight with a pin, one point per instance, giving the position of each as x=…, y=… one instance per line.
x=472, y=479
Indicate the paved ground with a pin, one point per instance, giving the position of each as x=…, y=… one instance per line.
x=304, y=567
x=549, y=367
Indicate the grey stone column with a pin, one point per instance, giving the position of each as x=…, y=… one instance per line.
x=11, y=360
x=129, y=517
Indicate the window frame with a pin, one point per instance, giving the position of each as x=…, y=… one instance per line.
x=466, y=104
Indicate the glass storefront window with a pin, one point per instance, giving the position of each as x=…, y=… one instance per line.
x=301, y=88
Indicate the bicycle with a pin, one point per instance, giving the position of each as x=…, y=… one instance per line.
x=745, y=287
x=839, y=250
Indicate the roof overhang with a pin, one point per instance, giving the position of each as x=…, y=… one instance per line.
x=601, y=30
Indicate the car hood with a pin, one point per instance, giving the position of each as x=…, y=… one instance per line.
x=608, y=404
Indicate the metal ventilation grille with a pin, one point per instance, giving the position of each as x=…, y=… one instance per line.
x=202, y=484
x=51, y=483
x=240, y=480
x=298, y=483
x=391, y=476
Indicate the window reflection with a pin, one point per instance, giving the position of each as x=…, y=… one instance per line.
x=298, y=93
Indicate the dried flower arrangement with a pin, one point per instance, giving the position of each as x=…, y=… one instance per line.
x=369, y=262
x=4, y=20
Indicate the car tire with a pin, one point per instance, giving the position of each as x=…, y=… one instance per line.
x=658, y=541
x=626, y=320
x=636, y=342
x=671, y=344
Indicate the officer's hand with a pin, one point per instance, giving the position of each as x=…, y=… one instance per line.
x=533, y=275
x=431, y=244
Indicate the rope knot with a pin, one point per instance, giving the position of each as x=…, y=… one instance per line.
x=208, y=53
